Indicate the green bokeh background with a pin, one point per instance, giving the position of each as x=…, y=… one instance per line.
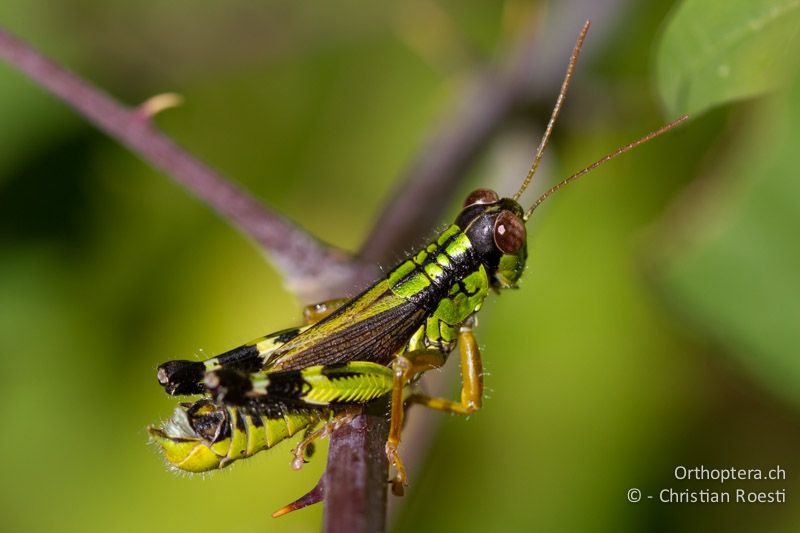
x=605, y=371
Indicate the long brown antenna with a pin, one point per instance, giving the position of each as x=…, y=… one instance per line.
x=609, y=157
x=573, y=59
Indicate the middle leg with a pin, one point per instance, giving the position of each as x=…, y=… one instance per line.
x=406, y=366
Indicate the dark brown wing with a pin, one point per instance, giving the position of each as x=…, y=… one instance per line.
x=372, y=327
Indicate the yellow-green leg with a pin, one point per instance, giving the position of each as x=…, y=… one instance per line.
x=407, y=366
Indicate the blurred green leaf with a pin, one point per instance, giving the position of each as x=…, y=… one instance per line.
x=715, y=52
x=739, y=274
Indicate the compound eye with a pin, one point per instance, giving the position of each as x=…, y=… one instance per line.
x=509, y=232
x=481, y=196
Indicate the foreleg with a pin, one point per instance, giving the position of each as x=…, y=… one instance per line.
x=471, y=380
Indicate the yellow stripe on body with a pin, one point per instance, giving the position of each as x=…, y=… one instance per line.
x=276, y=430
x=295, y=423
x=256, y=437
x=239, y=439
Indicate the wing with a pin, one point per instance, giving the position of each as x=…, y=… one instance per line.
x=372, y=327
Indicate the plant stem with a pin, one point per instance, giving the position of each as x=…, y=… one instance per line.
x=311, y=269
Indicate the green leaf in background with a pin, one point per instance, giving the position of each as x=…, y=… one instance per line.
x=715, y=52
x=740, y=274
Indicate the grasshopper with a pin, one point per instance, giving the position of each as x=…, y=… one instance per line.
x=352, y=351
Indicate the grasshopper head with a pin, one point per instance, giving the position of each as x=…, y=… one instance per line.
x=496, y=228
x=196, y=437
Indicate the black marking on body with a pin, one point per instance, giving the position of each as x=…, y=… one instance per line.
x=276, y=408
x=334, y=371
x=245, y=358
x=287, y=335
x=341, y=375
x=181, y=377
x=459, y=265
x=421, y=269
x=213, y=426
x=240, y=424
x=287, y=385
x=463, y=289
x=230, y=386
x=235, y=388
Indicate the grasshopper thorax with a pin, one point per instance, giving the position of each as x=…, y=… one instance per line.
x=496, y=229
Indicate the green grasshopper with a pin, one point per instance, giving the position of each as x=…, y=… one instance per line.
x=353, y=351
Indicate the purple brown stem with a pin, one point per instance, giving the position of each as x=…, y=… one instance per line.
x=311, y=269
x=357, y=474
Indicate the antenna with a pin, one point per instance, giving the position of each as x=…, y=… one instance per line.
x=573, y=59
x=609, y=157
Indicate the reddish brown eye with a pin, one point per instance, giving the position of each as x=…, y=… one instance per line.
x=481, y=196
x=509, y=232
